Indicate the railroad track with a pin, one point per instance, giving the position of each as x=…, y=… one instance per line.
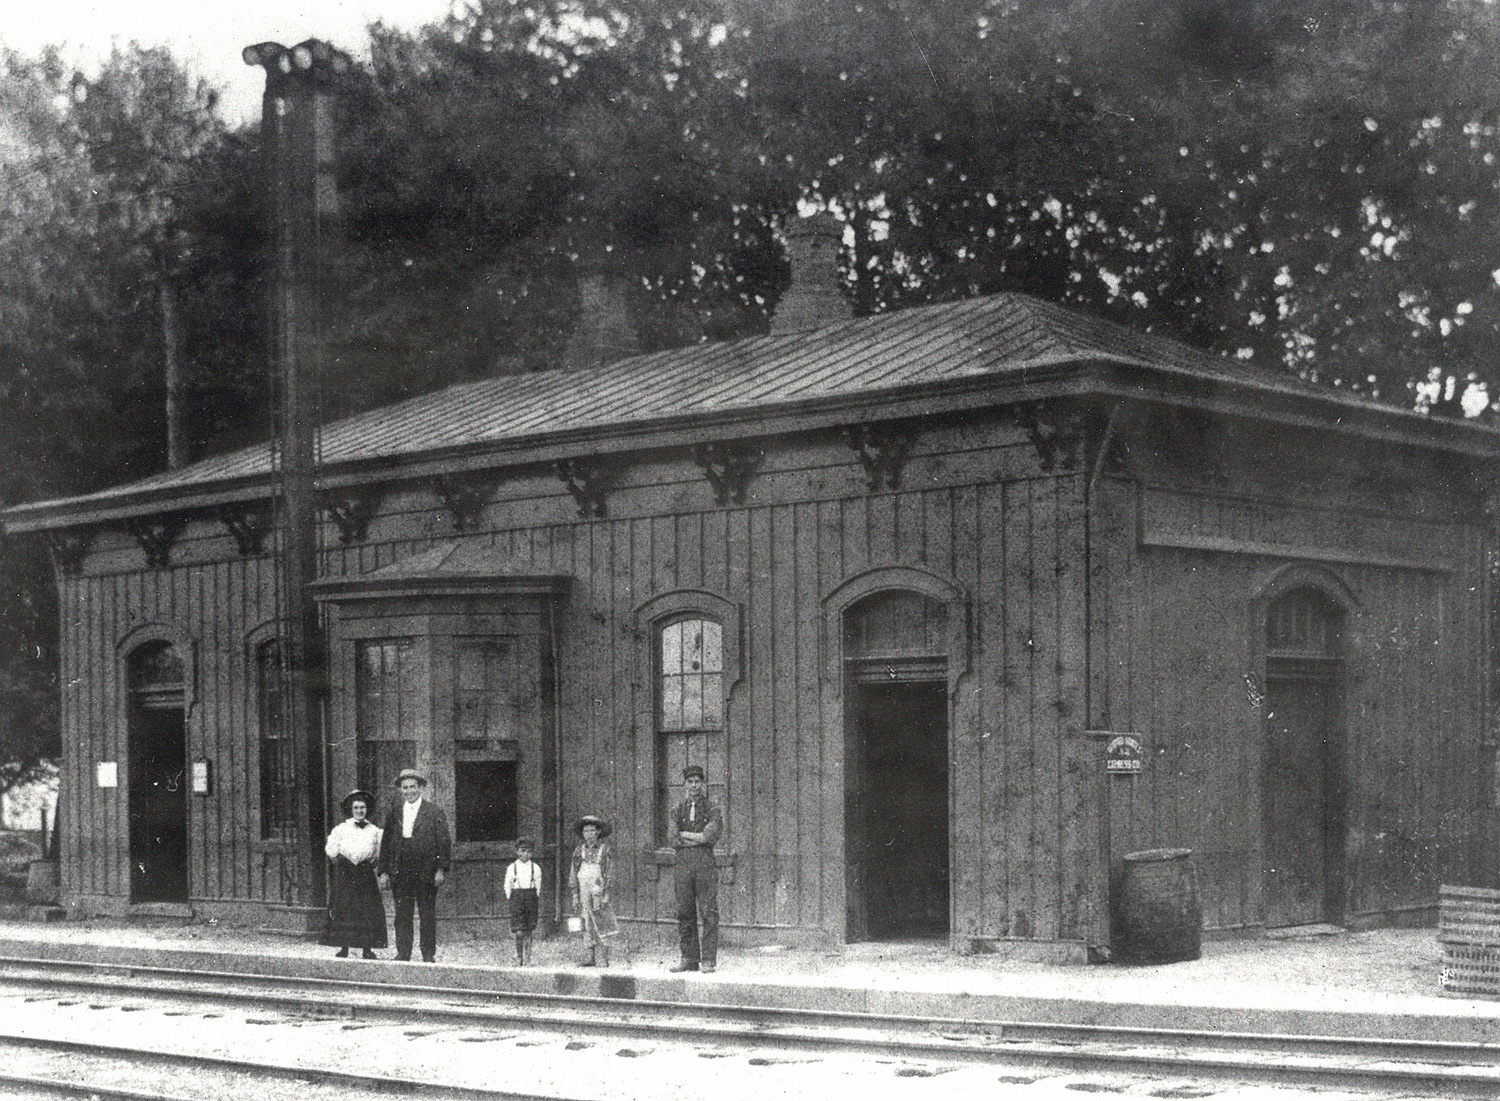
x=90, y=1067
x=1379, y=1066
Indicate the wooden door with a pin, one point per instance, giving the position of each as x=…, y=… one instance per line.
x=1301, y=829
x=1302, y=781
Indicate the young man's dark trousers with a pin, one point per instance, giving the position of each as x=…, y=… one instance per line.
x=411, y=890
x=696, y=878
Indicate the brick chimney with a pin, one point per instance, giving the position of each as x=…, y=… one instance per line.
x=816, y=294
x=603, y=332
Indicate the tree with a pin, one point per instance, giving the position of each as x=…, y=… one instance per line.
x=1285, y=182
x=122, y=280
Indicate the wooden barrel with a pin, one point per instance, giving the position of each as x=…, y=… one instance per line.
x=1156, y=914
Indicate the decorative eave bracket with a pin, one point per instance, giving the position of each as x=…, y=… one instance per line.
x=882, y=451
x=465, y=497
x=156, y=534
x=249, y=523
x=68, y=547
x=588, y=482
x=351, y=508
x=1070, y=435
x=728, y=468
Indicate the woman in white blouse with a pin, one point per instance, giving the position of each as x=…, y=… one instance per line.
x=356, y=912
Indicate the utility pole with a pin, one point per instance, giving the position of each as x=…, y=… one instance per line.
x=297, y=133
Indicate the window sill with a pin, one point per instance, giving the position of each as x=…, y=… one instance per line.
x=654, y=860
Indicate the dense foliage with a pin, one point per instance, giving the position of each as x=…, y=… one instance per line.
x=127, y=268
x=1308, y=183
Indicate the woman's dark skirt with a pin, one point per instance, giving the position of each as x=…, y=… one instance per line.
x=356, y=912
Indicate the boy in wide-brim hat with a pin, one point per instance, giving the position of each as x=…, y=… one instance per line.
x=593, y=869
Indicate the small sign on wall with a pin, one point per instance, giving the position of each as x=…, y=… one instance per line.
x=107, y=774
x=1122, y=753
x=203, y=778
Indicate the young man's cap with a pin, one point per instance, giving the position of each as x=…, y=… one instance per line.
x=693, y=770
x=524, y=843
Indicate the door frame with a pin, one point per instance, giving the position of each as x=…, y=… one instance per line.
x=186, y=646
x=134, y=770
x=918, y=673
x=843, y=776
x=1277, y=583
x=136, y=701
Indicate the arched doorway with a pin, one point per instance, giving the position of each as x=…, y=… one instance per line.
x=158, y=783
x=896, y=766
x=1304, y=786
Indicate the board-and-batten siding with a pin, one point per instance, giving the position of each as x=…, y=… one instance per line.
x=1175, y=659
x=973, y=513
x=213, y=606
x=1126, y=623
x=784, y=774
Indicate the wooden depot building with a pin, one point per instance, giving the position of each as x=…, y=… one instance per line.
x=956, y=605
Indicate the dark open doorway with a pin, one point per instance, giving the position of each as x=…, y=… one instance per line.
x=158, y=777
x=897, y=810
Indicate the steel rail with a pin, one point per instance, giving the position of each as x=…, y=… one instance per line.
x=386, y=1085
x=38, y=1085
x=1444, y=1068
x=368, y=998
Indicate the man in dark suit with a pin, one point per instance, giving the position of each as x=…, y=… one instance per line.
x=414, y=853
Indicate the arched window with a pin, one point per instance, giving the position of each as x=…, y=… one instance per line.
x=896, y=634
x=155, y=675
x=689, y=692
x=1304, y=634
x=277, y=774
x=690, y=678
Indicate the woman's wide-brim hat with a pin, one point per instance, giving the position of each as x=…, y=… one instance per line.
x=410, y=774
x=592, y=820
x=358, y=793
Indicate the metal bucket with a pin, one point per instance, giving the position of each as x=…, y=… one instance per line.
x=1156, y=914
